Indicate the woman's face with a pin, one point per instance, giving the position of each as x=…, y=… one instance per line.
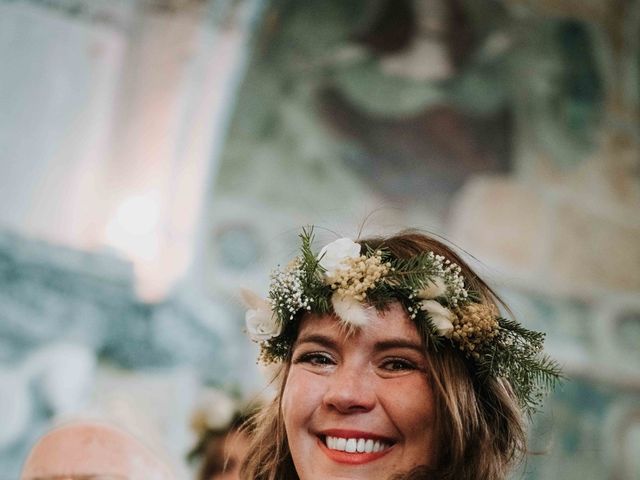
x=358, y=406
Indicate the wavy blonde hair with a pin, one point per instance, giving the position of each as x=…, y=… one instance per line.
x=479, y=426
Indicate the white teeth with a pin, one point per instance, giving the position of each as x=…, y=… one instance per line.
x=352, y=445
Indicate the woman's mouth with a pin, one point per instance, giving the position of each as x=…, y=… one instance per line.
x=353, y=447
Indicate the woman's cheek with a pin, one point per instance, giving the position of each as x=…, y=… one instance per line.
x=412, y=396
x=301, y=394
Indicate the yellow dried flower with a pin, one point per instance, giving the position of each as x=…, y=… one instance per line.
x=358, y=275
x=473, y=326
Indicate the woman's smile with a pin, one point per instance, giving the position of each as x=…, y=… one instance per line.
x=354, y=447
x=359, y=405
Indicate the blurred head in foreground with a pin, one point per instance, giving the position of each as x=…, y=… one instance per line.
x=90, y=450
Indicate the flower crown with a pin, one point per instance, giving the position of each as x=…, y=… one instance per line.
x=347, y=282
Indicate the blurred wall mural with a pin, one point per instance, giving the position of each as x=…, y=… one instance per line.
x=157, y=155
x=111, y=114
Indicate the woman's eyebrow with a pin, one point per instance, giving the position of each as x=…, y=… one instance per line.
x=398, y=343
x=318, y=338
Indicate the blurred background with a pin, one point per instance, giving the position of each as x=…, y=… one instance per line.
x=157, y=155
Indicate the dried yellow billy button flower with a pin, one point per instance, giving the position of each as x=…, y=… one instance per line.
x=358, y=275
x=474, y=325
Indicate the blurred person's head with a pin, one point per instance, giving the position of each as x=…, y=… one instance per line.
x=223, y=442
x=224, y=454
x=92, y=450
x=382, y=367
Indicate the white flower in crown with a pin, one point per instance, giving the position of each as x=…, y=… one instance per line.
x=260, y=321
x=434, y=289
x=335, y=253
x=350, y=311
x=262, y=325
x=335, y=257
x=441, y=317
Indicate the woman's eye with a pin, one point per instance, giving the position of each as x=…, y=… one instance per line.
x=398, y=365
x=315, y=358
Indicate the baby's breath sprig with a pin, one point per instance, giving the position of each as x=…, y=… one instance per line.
x=287, y=295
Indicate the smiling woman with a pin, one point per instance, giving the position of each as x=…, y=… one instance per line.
x=395, y=364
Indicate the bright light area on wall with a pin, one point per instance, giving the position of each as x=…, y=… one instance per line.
x=133, y=229
x=136, y=217
x=139, y=229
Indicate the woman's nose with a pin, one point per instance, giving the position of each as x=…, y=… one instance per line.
x=350, y=390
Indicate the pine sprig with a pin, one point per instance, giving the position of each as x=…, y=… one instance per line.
x=318, y=293
x=412, y=273
x=516, y=355
x=310, y=263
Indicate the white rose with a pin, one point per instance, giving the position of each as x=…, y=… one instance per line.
x=440, y=316
x=332, y=255
x=435, y=289
x=259, y=318
x=261, y=324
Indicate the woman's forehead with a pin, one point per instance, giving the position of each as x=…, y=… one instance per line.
x=391, y=323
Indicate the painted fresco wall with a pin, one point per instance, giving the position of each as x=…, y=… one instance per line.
x=512, y=128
